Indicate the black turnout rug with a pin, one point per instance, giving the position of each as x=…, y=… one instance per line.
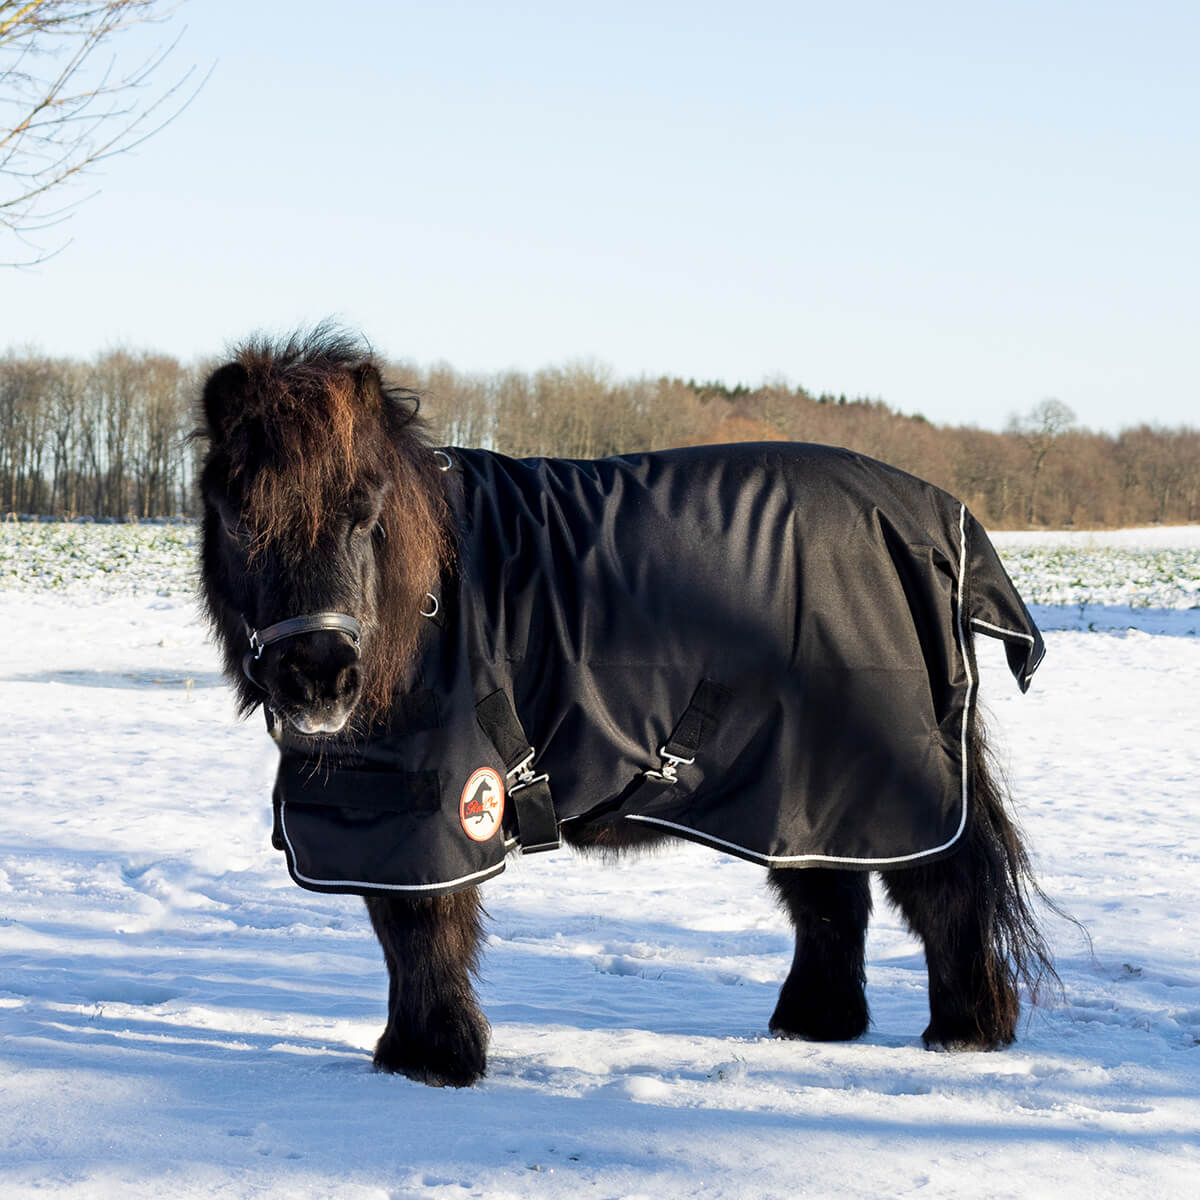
x=766, y=648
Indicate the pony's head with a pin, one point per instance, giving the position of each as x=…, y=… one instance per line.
x=325, y=526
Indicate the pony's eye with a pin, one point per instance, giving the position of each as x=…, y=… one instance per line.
x=237, y=531
x=231, y=520
x=364, y=516
x=232, y=523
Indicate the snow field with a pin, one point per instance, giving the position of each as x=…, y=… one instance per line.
x=177, y=1018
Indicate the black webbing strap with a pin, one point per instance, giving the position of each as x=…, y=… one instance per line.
x=537, y=822
x=698, y=721
x=497, y=719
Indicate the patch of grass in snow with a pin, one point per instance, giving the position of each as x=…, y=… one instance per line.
x=161, y=560
x=1108, y=577
x=105, y=560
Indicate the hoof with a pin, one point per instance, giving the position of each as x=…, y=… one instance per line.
x=454, y=1054
x=421, y=1070
x=817, y=1016
x=961, y=1038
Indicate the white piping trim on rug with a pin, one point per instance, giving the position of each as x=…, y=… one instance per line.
x=1008, y=633
x=1034, y=666
x=379, y=887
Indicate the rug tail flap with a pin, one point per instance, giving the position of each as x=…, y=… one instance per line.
x=996, y=608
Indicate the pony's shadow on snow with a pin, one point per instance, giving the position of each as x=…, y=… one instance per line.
x=725, y=1090
x=172, y=1005
x=122, y=679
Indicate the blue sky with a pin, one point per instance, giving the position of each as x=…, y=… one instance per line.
x=958, y=208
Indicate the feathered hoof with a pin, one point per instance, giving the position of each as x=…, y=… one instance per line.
x=453, y=1055
x=820, y=1017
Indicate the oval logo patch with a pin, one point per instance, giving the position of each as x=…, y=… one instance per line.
x=482, y=805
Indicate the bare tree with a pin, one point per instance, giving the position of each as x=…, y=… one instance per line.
x=65, y=399
x=67, y=103
x=161, y=386
x=1040, y=429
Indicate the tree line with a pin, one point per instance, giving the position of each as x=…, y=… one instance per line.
x=108, y=438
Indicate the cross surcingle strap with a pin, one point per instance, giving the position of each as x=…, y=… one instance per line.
x=699, y=718
x=537, y=823
x=698, y=721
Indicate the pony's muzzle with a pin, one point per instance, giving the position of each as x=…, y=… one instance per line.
x=313, y=682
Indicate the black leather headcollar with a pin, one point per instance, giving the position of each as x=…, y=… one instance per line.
x=260, y=639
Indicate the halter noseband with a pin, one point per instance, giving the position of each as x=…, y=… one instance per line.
x=260, y=639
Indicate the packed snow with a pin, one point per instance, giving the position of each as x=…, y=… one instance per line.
x=178, y=1019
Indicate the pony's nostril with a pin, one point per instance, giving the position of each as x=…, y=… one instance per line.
x=297, y=685
x=348, y=682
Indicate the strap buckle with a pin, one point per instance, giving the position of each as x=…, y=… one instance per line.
x=525, y=774
x=697, y=723
x=669, y=771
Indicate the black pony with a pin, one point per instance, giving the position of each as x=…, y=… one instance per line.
x=767, y=649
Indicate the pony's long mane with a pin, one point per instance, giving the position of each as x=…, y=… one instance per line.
x=315, y=427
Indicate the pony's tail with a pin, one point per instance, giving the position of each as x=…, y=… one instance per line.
x=1008, y=896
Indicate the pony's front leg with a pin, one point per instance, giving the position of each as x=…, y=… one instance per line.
x=824, y=998
x=435, y=1030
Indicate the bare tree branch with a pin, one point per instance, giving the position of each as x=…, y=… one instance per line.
x=68, y=102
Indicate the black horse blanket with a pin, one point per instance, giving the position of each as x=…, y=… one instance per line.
x=766, y=648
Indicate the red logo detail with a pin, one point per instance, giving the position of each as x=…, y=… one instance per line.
x=481, y=808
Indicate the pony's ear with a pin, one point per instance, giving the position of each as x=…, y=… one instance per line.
x=369, y=384
x=224, y=394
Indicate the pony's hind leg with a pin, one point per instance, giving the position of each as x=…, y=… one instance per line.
x=974, y=910
x=824, y=996
x=973, y=1004
x=435, y=1030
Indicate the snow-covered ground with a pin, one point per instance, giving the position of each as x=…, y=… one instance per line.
x=178, y=1020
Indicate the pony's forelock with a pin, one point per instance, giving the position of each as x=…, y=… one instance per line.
x=313, y=423
x=301, y=440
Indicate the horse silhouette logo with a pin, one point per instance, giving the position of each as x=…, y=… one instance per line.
x=481, y=807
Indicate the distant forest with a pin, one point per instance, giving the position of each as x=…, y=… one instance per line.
x=107, y=438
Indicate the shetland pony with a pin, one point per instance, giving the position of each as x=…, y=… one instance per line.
x=322, y=495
